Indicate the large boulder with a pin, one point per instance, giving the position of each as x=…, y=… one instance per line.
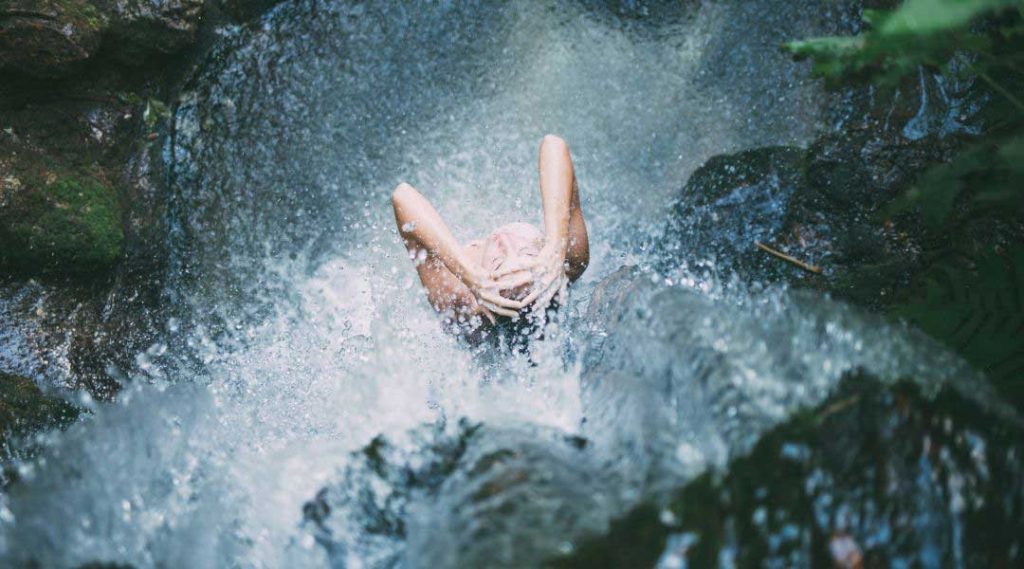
x=731, y=202
x=823, y=205
x=60, y=209
x=471, y=497
x=81, y=230
x=49, y=38
x=52, y=38
x=244, y=10
x=874, y=476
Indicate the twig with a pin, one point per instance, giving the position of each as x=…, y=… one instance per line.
x=805, y=266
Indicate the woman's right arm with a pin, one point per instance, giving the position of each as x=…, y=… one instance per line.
x=422, y=229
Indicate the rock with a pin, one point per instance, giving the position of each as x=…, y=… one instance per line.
x=49, y=38
x=881, y=474
x=479, y=496
x=731, y=202
x=68, y=225
x=142, y=28
x=24, y=409
x=74, y=308
x=674, y=380
x=245, y=10
x=835, y=218
x=821, y=205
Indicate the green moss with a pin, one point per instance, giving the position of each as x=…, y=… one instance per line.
x=69, y=226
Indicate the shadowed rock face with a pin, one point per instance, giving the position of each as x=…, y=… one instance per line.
x=823, y=204
x=140, y=28
x=881, y=474
x=53, y=38
x=470, y=497
x=70, y=225
x=49, y=38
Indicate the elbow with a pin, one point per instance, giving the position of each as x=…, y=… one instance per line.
x=400, y=193
x=554, y=142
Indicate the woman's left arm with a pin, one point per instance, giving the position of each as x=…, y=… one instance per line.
x=566, y=251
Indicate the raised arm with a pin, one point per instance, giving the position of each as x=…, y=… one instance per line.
x=452, y=279
x=564, y=228
x=566, y=251
x=422, y=229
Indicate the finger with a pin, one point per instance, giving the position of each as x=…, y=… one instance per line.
x=538, y=292
x=514, y=268
x=514, y=280
x=549, y=294
x=499, y=300
x=487, y=314
x=500, y=310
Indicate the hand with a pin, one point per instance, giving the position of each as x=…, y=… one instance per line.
x=488, y=299
x=546, y=274
x=480, y=310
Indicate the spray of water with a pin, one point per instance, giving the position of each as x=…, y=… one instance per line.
x=296, y=328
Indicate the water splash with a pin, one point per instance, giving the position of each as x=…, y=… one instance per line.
x=297, y=332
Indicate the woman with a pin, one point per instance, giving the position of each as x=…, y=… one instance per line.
x=516, y=268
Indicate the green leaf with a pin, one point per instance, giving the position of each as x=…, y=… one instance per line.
x=978, y=310
x=937, y=16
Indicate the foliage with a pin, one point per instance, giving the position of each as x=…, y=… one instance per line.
x=988, y=176
x=976, y=308
x=919, y=32
x=971, y=295
x=156, y=110
x=983, y=39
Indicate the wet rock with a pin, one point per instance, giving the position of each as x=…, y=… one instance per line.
x=24, y=409
x=673, y=380
x=835, y=218
x=245, y=10
x=363, y=513
x=886, y=474
x=748, y=193
x=481, y=496
x=141, y=28
x=823, y=205
x=49, y=38
x=82, y=227
x=68, y=225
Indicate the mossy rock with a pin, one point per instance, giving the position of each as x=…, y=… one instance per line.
x=69, y=226
x=25, y=409
x=49, y=38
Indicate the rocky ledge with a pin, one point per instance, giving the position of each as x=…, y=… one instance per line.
x=86, y=88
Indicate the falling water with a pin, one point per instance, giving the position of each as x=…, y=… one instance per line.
x=296, y=331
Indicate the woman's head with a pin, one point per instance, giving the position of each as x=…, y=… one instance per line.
x=512, y=246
